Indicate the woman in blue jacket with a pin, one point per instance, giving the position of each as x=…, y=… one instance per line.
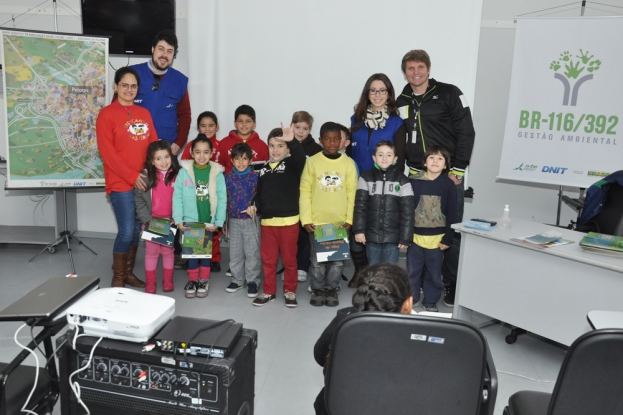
x=375, y=120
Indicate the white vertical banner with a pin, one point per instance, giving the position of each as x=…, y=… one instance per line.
x=565, y=112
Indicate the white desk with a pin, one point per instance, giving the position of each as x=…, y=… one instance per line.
x=546, y=291
x=605, y=319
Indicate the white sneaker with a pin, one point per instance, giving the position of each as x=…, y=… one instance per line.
x=309, y=289
x=302, y=276
x=202, y=288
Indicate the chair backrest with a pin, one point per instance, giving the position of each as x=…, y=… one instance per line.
x=389, y=363
x=610, y=219
x=591, y=377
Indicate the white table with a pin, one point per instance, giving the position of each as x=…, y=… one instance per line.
x=605, y=319
x=546, y=291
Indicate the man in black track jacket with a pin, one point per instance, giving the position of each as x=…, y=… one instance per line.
x=435, y=113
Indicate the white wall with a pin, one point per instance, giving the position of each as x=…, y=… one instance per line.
x=281, y=56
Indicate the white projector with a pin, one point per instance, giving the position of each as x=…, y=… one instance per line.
x=121, y=313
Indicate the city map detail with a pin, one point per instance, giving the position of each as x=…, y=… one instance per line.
x=55, y=86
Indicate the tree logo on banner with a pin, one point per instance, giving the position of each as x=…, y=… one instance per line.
x=573, y=70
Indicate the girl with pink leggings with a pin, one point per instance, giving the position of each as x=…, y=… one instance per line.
x=157, y=201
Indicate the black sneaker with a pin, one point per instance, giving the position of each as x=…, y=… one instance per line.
x=191, y=289
x=233, y=287
x=251, y=290
x=290, y=299
x=215, y=267
x=263, y=299
x=448, y=295
x=430, y=307
x=332, y=300
x=228, y=272
x=317, y=298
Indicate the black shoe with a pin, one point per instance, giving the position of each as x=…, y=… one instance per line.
x=215, y=267
x=228, y=272
x=448, y=295
x=290, y=298
x=430, y=308
x=263, y=299
x=331, y=300
x=344, y=277
x=317, y=298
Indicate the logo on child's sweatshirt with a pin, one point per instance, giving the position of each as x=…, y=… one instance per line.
x=331, y=181
x=201, y=190
x=137, y=129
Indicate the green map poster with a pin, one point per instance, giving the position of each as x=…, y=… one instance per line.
x=54, y=88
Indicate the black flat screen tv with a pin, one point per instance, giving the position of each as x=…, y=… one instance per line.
x=131, y=24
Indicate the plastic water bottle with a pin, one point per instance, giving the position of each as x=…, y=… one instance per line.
x=505, y=220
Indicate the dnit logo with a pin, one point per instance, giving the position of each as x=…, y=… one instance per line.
x=573, y=70
x=555, y=170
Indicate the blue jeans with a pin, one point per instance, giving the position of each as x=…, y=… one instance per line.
x=194, y=263
x=382, y=253
x=417, y=257
x=129, y=228
x=450, y=266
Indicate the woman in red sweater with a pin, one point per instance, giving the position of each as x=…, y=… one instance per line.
x=124, y=131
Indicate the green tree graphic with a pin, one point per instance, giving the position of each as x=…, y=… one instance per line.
x=573, y=69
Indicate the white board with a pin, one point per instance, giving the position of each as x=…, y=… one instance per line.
x=565, y=113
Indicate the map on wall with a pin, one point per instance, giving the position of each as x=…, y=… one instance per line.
x=55, y=86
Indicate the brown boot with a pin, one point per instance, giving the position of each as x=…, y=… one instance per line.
x=119, y=265
x=130, y=278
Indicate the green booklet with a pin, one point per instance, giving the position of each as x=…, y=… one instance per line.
x=193, y=237
x=596, y=242
x=197, y=241
x=161, y=226
x=330, y=232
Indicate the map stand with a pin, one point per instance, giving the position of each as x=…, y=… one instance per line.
x=66, y=236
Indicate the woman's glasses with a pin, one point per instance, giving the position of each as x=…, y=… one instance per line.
x=378, y=91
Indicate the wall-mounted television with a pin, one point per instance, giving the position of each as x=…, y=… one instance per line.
x=131, y=24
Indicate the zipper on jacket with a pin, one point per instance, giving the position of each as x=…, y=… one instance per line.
x=383, y=202
x=419, y=117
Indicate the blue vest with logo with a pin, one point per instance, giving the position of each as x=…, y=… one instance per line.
x=363, y=151
x=162, y=104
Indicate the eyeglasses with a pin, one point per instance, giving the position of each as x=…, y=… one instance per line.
x=377, y=91
x=133, y=87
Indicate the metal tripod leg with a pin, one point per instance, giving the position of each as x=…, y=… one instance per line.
x=66, y=236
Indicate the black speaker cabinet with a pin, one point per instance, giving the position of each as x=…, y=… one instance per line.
x=121, y=379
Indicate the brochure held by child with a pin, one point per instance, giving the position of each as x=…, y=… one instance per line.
x=160, y=231
x=197, y=241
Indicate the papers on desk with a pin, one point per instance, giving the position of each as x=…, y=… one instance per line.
x=600, y=243
x=544, y=240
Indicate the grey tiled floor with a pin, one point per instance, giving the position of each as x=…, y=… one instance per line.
x=287, y=378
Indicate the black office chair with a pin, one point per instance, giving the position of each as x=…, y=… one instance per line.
x=390, y=363
x=590, y=381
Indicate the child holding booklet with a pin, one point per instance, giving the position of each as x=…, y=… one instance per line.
x=199, y=196
x=157, y=201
